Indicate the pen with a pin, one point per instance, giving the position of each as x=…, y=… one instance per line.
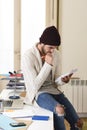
x=23, y=117
x=35, y=117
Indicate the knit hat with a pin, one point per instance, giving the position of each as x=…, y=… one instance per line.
x=50, y=36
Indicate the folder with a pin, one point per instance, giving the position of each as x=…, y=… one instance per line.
x=40, y=117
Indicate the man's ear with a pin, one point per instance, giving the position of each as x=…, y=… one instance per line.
x=42, y=44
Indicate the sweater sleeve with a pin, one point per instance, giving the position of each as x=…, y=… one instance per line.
x=33, y=79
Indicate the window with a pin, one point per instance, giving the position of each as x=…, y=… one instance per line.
x=6, y=35
x=32, y=22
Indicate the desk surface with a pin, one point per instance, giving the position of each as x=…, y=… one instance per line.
x=41, y=125
x=37, y=124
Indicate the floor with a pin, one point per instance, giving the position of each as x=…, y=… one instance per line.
x=84, y=126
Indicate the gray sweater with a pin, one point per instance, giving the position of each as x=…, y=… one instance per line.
x=35, y=74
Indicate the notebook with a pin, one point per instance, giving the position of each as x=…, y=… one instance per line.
x=13, y=104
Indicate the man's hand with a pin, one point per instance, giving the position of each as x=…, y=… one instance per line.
x=67, y=78
x=49, y=58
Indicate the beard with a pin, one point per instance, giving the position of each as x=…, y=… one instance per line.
x=44, y=52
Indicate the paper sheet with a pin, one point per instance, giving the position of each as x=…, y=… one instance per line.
x=19, y=113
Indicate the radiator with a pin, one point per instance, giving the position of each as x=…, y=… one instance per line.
x=76, y=91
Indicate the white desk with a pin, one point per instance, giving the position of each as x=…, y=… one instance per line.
x=41, y=125
x=36, y=125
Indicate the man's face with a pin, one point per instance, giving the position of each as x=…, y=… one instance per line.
x=48, y=49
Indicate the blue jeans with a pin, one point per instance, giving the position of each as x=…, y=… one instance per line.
x=50, y=101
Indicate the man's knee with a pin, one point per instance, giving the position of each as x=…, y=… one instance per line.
x=60, y=110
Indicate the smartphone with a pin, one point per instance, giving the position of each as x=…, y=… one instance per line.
x=67, y=74
x=71, y=72
x=17, y=124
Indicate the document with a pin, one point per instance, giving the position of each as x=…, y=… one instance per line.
x=58, y=80
x=19, y=113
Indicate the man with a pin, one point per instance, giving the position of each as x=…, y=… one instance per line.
x=41, y=67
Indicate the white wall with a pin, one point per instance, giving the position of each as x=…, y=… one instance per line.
x=73, y=29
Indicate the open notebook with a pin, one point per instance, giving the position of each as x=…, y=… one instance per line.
x=13, y=104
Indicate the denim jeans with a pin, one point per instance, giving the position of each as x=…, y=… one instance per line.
x=50, y=101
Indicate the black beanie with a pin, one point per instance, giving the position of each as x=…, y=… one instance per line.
x=50, y=36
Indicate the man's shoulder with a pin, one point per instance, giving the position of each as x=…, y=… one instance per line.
x=29, y=51
x=32, y=52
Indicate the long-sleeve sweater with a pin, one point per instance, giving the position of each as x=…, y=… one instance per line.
x=35, y=74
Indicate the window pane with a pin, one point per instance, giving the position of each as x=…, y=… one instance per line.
x=32, y=22
x=6, y=35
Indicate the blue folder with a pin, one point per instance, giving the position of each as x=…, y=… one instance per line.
x=40, y=117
